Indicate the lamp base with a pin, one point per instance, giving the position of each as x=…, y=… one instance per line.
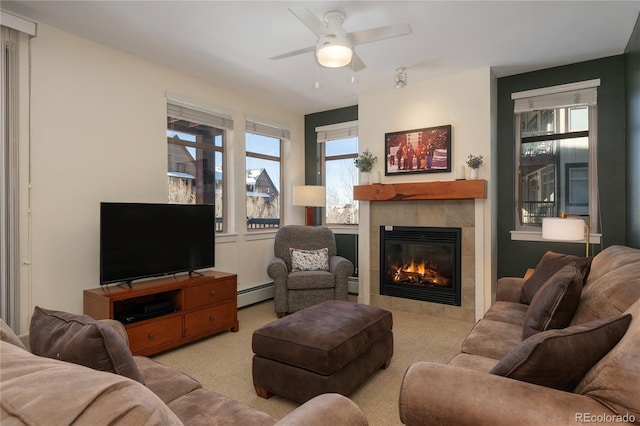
x=310, y=215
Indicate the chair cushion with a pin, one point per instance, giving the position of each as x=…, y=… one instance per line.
x=547, y=266
x=306, y=280
x=309, y=260
x=554, y=305
x=560, y=358
x=81, y=340
x=323, y=338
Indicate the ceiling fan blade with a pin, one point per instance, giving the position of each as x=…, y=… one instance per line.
x=318, y=27
x=380, y=33
x=356, y=63
x=294, y=53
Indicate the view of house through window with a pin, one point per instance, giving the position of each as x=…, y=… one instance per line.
x=263, y=180
x=340, y=175
x=195, y=165
x=554, y=155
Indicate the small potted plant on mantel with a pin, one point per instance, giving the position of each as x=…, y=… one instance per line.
x=474, y=162
x=364, y=163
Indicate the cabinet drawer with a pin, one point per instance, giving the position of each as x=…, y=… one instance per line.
x=156, y=333
x=207, y=318
x=210, y=293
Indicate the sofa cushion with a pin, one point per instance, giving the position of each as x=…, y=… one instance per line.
x=305, y=280
x=614, y=380
x=309, y=260
x=166, y=382
x=613, y=286
x=492, y=339
x=554, y=305
x=81, y=340
x=44, y=391
x=547, y=266
x=7, y=335
x=560, y=358
x=509, y=312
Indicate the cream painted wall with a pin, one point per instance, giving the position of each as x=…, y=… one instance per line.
x=98, y=122
x=467, y=102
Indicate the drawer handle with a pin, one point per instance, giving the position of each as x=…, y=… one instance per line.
x=212, y=318
x=212, y=293
x=151, y=336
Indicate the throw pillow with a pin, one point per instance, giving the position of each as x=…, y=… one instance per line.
x=81, y=340
x=555, y=303
x=560, y=358
x=547, y=266
x=309, y=260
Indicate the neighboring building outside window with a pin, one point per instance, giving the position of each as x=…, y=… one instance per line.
x=264, y=174
x=556, y=154
x=339, y=146
x=195, y=163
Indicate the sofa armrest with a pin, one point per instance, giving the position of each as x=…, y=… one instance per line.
x=326, y=409
x=444, y=394
x=509, y=289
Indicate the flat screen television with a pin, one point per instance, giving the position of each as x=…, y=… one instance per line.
x=140, y=240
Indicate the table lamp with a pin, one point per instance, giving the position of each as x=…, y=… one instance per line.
x=565, y=228
x=309, y=196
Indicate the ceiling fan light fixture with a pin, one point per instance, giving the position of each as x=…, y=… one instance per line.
x=333, y=52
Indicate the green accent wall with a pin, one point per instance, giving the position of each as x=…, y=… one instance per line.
x=632, y=68
x=514, y=257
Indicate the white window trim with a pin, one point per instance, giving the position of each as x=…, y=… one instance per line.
x=347, y=129
x=529, y=233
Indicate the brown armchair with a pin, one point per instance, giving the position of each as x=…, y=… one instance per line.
x=296, y=290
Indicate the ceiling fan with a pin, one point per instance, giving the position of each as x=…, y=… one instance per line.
x=334, y=48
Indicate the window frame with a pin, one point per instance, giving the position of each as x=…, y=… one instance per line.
x=546, y=98
x=281, y=134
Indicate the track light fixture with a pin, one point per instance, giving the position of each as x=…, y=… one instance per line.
x=401, y=78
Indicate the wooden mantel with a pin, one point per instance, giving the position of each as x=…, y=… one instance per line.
x=440, y=190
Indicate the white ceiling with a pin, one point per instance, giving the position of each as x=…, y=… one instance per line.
x=230, y=42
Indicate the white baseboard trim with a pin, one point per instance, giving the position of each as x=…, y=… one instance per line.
x=252, y=295
x=353, y=285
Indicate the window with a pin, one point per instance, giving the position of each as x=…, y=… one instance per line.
x=555, y=149
x=263, y=174
x=339, y=150
x=195, y=163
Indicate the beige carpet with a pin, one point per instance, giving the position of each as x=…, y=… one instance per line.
x=222, y=363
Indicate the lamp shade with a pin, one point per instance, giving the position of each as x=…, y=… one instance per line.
x=309, y=196
x=564, y=229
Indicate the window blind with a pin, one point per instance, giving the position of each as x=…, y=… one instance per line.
x=190, y=112
x=253, y=126
x=348, y=129
x=574, y=94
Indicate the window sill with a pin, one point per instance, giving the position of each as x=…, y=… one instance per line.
x=537, y=236
x=261, y=235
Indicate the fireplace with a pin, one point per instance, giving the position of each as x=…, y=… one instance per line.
x=421, y=263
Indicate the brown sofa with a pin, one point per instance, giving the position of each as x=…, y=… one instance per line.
x=39, y=390
x=586, y=371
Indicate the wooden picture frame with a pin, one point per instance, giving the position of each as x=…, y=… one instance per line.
x=426, y=150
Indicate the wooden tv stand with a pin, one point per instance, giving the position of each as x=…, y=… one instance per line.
x=163, y=313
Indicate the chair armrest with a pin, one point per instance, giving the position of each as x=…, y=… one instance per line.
x=277, y=269
x=340, y=266
x=326, y=409
x=444, y=394
x=509, y=289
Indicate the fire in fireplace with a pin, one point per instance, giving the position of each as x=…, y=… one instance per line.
x=421, y=263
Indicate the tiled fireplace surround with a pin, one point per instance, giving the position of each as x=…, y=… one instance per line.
x=414, y=211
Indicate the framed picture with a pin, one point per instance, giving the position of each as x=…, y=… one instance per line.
x=425, y=150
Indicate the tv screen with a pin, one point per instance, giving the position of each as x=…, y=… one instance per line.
x=145, y=240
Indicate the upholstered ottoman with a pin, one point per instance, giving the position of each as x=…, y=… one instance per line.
x=331, y=347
